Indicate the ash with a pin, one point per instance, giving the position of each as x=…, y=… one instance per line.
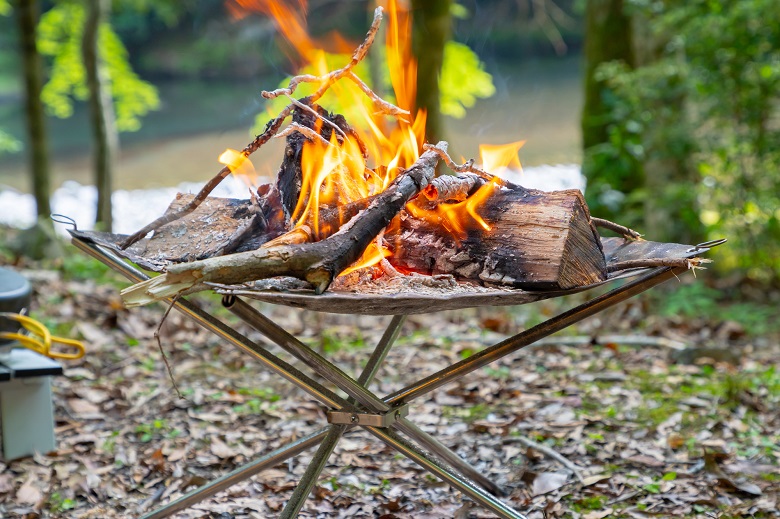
x=375, y=281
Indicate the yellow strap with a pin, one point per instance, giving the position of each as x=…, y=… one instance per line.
x=41, y=339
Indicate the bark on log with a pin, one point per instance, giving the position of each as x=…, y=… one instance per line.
x=538, y=240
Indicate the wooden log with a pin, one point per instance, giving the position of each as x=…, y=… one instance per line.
x=310, y=115
x=318, y=263
x=537, y=240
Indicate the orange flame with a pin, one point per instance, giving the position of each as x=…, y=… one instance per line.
x=372, y=256
x=239, y=165
x=336, y=173
x=495, y=157
x=459, y=217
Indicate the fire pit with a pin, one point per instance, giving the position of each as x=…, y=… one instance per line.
x=384, y=417
x=337, y=233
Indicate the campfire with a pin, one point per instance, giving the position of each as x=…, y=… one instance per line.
x=357, y=202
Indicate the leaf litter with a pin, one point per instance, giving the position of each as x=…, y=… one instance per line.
x=653, y=435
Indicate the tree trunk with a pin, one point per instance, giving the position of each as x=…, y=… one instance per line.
x=101, y=110
x=431, y=23
x=607, y=38
x=27, y=14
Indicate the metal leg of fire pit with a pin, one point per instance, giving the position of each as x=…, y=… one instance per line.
x=358, y=391
x=266, y=461
x=335, y=432
x=315, y=389
x=530, y=336
x=355, y=389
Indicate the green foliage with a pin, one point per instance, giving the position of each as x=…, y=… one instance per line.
x=697, y=300
x=463, y=80
x=709, y=103
x=59, y=36
x=8, y=144
x=5, y=8
x=59, y=503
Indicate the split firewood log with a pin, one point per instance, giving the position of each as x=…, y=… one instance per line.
x=534, y=240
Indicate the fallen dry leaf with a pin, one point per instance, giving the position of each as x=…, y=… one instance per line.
x=548, y=481
x=598, y=514
x=28, y=494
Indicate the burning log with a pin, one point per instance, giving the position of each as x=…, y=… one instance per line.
x=532, y=239
x=318, y=263
x=328, y=206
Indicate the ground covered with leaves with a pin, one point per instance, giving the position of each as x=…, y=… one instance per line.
x=686, y=426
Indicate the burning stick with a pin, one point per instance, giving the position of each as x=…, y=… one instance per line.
x=273, y=126
x=448, y=187
x=318, y=263
x=467, y=167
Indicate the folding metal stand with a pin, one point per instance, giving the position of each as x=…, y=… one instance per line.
x=383, y=417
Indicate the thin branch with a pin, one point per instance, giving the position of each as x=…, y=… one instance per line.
x=162, y=351
x=306, y=108
x=622, y=230
x=467, y=167
x=330, y=78
x=688, y=263
x=380, y=104
x=577, y=471
x=305, y=131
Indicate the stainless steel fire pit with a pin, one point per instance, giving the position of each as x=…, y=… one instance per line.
x=383, y=416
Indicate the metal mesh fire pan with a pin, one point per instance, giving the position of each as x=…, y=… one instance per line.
x=410, y=294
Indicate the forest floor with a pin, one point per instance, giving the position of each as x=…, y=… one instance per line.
x=657, y=431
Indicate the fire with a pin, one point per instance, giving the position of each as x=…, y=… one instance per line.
x=458, y=217
x=239, y=165
x=496, y=157
x=335, y=172
x=373, y=255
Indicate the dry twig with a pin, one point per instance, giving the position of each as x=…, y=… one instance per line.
x=162, y=351
x=622, y=230
x=577, y=471
x=305, y=131
x=687, y=263
x=467, y=167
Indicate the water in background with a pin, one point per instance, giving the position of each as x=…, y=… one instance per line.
x=539, y=101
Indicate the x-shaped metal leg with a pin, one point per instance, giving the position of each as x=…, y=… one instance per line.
x=362, y=401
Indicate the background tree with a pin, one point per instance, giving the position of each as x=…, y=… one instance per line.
x=431, y=27
x=85, y=53
x=32, y=67
x=708, y=106
x=608, y=38
x=101, y=110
